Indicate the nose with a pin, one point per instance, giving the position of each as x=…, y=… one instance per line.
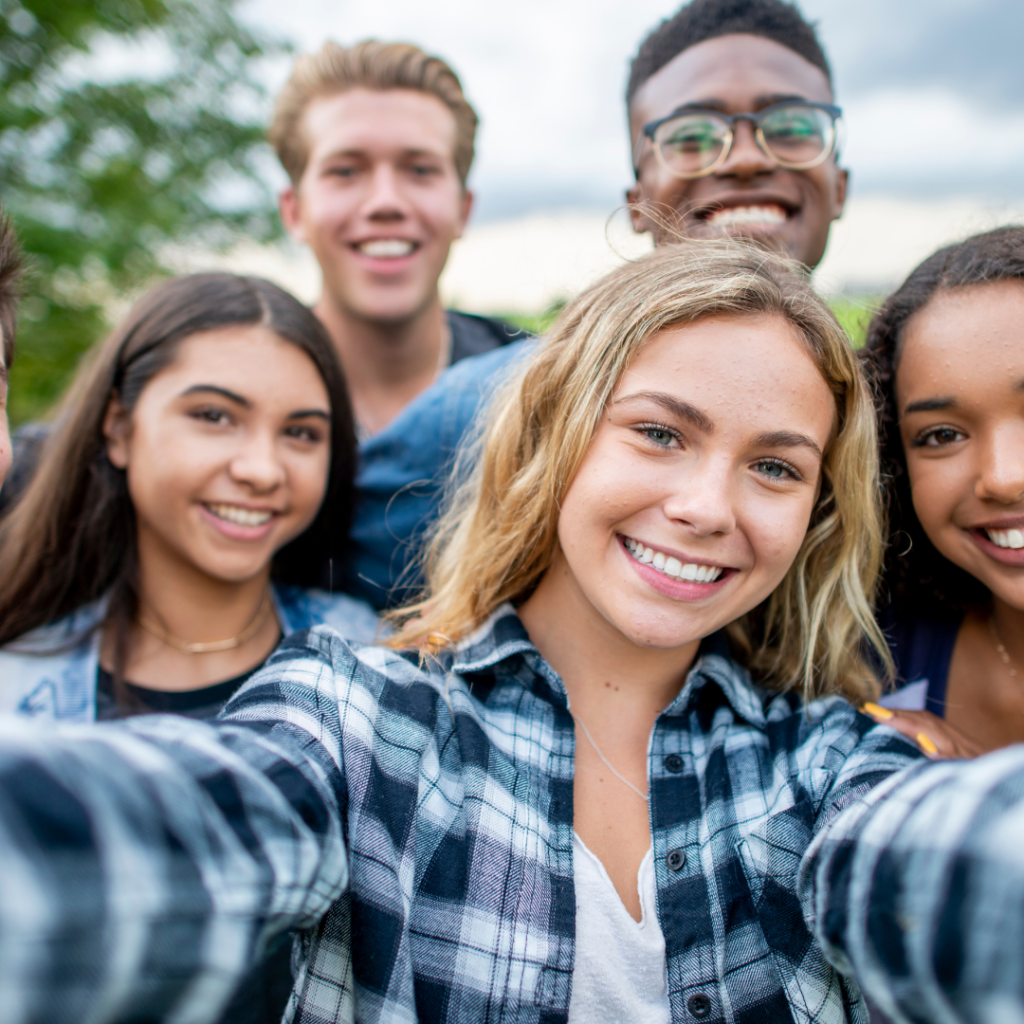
x=746, y=158
x=385, y=200
x=256, y=465
x=1001, y=476
x=702, y=498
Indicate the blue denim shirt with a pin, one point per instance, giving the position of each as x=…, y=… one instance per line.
x=401, y=477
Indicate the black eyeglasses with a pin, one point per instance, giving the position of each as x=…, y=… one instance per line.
x=691, y=143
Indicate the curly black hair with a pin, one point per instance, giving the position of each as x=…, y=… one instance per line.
x=708, y=19
x=917, y=577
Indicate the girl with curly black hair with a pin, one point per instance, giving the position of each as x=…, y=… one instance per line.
x=947, y=355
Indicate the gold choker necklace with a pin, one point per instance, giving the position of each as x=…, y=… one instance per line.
x=257, y=623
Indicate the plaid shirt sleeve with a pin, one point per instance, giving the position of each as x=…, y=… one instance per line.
x=917, y=889
x=146, y=864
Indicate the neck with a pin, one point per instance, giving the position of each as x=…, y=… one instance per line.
x=387, y=364
x=1009, y=623
x=607, y=676
x=195, y=608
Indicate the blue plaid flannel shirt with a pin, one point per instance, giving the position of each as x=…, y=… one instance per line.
x=416, y=827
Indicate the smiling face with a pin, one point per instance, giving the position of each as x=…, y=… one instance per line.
x=749, y=194
x=380, y=201
x=697, y=489
x=227, y=452
x=960, y=396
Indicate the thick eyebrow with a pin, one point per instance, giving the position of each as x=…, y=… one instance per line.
x=786, y=439
x=246, y=404
x=681, y=410
x=931, y=405
x=197, y=389
x=303, y=413
x=356, y=151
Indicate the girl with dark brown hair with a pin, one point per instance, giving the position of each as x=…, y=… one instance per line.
x=947, y=353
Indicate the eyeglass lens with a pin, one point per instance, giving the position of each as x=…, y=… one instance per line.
x=794, y=136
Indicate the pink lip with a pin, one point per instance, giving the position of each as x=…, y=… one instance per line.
x=235, y=531
x=1008, y=556
x=680, y=590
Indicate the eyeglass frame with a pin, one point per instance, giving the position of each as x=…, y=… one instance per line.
x=648, y=130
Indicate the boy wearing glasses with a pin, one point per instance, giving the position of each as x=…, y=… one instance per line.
x=733, y=128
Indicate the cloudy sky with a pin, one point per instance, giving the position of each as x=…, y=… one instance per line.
x=933, y=89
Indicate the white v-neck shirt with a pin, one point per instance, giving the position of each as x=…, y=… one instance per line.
x=619, y=974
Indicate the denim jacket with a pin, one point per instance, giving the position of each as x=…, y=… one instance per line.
x=50, y=673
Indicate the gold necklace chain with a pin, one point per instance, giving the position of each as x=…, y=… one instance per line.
x=622, y=778
x=1003, y=653
x=255, y=625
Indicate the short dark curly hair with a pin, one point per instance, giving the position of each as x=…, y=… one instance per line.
x=916, y=576
x=10, y=278
x=708, y=19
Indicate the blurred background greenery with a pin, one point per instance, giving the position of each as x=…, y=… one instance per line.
x=125, y=126
x=853, y=312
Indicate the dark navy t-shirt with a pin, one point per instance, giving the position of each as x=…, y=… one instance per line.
x=922, y=649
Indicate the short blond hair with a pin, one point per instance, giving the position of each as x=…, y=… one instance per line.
x=367, y=65
x=499, y=534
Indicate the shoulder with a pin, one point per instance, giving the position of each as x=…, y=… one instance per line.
x=473, y=334
x=50, y=673
x=304, y=608
x=318, y=679
x=829, y=739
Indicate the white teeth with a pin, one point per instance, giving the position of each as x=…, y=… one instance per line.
x=671, y=566
x=1006, y=538
x=386, y=248
x=741, y=216
x=241, y=516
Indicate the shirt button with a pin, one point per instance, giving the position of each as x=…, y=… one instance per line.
x=699, y=1005
x=675, y=859
x=674, y=763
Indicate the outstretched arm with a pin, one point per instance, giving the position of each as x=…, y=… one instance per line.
x=918, y=891
x=144, y=866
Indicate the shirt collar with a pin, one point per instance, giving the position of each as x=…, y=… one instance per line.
x=503, y=636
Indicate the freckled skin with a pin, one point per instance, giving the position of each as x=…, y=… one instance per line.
x=622, y=646
x=743, y=73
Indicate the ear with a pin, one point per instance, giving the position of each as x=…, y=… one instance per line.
x=842, y=184
x=634, y=196
x=291, y=215
x=117, y=423
x=467, y=208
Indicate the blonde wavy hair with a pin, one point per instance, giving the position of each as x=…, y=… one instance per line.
x=499, y=533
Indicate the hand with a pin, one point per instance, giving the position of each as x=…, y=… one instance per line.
x=935, y=736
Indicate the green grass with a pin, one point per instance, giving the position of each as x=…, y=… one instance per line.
x=855, y=313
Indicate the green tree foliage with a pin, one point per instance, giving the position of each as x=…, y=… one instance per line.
x=102, y=170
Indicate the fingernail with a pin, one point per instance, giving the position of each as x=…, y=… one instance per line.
x=877, y=711
x=926, y=744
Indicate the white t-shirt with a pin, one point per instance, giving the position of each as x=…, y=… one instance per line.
x=620, y=963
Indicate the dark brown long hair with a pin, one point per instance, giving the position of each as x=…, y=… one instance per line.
x=71, y=537
x=917, y=577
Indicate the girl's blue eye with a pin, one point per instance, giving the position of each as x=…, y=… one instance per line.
x=775, y=470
